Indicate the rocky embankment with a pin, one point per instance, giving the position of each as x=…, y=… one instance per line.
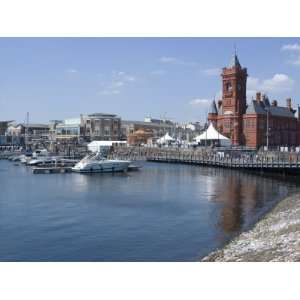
x=274, y=238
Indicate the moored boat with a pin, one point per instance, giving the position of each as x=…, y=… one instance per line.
x=95, y=163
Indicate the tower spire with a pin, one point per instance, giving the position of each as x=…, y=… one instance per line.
x=234, y=60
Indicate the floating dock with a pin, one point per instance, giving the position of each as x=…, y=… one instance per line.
x=51, y=170
x=68, y=169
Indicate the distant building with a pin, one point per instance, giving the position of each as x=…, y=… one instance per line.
x=100, y=126
x=27, y=133
x=91, y=127
x=139, y=137
x=255, y=124
x=159, y=128
x=157, y=121
x=52, y=129
x=68, y=131
x=3, y=128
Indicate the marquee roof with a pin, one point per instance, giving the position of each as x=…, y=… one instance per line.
x=211, y=134
x=166, y=138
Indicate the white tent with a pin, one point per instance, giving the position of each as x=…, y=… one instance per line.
x=166, y=139
x=211, y=134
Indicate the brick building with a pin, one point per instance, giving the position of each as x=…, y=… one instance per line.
x=246, y=124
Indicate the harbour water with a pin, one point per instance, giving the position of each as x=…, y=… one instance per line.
x=165, y=212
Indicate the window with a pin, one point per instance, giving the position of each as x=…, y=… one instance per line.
x=228, y=86
x=106, y=130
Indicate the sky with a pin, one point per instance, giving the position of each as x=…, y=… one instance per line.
x=174, y=78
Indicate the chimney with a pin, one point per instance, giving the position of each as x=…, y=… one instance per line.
x=274, y=103
x=258, y=96
x=289, y=103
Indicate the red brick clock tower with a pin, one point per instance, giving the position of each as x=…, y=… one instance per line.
x=234, y=101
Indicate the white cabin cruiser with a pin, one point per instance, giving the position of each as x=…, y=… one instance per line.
x=95, y=163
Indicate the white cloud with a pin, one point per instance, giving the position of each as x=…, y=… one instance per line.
x=278, y=83
x=295, y=61
x=291, y=47
x=294, y=50
x=211, y=71
x=176, y=61
x=118, y=80
x=200, y=102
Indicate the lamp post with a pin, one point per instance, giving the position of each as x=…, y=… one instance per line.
x=268, y=111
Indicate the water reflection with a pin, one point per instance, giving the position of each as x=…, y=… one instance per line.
x=242, y=196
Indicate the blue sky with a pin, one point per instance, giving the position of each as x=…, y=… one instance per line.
x=57, y=78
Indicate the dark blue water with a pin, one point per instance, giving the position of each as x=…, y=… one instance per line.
x=164, y=212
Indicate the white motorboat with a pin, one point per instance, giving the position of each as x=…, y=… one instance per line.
x=95, y=163
x=40, y=153
x=40, y=160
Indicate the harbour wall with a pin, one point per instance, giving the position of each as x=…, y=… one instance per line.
x=276, y=237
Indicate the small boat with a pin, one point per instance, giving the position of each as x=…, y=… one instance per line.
x=95, y=163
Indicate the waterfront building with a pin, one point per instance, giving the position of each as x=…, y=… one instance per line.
x=87, y=128
x=52, y=129
x=68, y=131
x=31, y=134
x=101, y=127
x=3, y=128
x=255, y=124
x=139, y=137
x=159, y=128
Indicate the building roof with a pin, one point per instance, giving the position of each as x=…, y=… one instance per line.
x=101, y=115
x=162, y=125
x=264, y=106
x=255, y=108
x=30, y=125
x=5, y=122
x=281, y=111
x=234, y=62
x=213, y=108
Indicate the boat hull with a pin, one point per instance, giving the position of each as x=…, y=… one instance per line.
x=102, y=167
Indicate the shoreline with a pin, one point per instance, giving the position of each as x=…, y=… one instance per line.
x=275, y=237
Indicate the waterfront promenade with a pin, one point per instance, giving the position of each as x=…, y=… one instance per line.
x=268, y=162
